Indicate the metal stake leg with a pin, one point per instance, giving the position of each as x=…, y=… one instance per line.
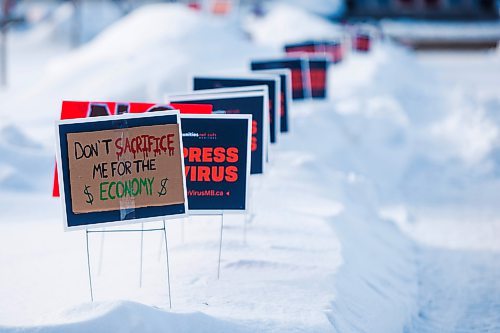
x=220, y=244
x=142, y=251
x=3, y=55
x=88, y=265
x=245, y=231
x=168, y=267
x=99, y=268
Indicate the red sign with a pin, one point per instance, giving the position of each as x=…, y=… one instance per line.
x=78, y=109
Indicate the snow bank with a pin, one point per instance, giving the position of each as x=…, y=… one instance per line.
x=285, y=24
x=125, y=316
x=375, y=288
x=18, y=152
x=152, y=51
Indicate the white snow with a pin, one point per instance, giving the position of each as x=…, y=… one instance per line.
x=379, y=212
x=285, y=23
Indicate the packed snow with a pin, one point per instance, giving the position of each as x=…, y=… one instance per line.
x=379, y=212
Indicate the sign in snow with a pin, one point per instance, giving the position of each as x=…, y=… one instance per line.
x=273, y=83
x=330, y=48
x=245, y=100
x=362, y=42
x=299, y=66
x=285, y=96
x=121, y=169
x=318, y=74
x=217, y=160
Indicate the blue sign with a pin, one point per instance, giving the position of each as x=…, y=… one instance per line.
x=253, y=103
x=286, y=94
x=318, y=72
x=217, y=162
x=273, y=84
x=301, y=88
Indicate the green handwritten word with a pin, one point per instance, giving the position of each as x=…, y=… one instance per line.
x=128, y=188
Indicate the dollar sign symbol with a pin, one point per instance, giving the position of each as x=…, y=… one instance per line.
x=90, y=199
x=163, y=189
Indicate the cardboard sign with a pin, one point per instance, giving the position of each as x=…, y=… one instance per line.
x=301, y=87
x=234, y=101
x=84, y=109
x=217, y=162
x=272, y=82
x=286, y=95
x=318, y=71
x=117, y=170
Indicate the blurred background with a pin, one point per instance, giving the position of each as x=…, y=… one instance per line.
x=408, y=136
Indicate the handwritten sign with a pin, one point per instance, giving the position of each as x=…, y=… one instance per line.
x=117, y=169
x=122, y=166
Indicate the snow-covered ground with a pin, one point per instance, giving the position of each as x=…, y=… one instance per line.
x=379, y=212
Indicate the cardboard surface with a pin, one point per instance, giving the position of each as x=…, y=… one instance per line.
x=127, y=168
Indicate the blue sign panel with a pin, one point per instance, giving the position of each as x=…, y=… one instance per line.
x=273, y=84
x=251, y=103
x=217, y=161
x=301, y=88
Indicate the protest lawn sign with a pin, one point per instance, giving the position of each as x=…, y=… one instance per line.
x=299, y=66
x=121, y=170
x=285, y=75
x=245, y=100
x=362, y=42
x=226, y=81
x=217, y=162
x=330, y=48
x=318, y=72
x=309, y=46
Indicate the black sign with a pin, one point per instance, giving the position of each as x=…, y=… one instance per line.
x=273, y=84
x=286, y=94
x=300, y=73
x=217, y=161
x=253, y=103
x=318, y=72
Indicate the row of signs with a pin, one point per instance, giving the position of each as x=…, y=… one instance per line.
x=125, y=162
